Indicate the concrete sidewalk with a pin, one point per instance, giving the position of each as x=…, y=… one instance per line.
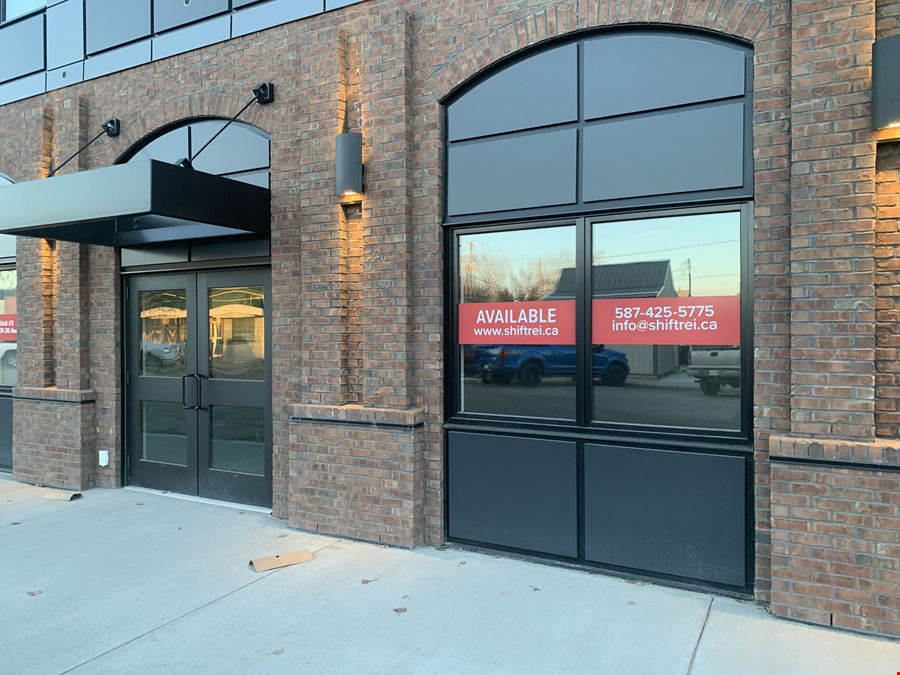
x=122, y=581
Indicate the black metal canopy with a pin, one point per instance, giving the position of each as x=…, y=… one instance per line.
x=132, y=204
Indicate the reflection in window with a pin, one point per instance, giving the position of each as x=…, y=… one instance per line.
x=666, y=309
x=163, y=332
x=238, y=439
x=237, y=335
x=516, y=331
x=8, y=327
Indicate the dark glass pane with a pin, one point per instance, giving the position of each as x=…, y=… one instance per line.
x=237, y=333
x=163, y=332
x=163, y=433
x=666, y=321
x=517, y=322
x=238, y=439
x=8, y=327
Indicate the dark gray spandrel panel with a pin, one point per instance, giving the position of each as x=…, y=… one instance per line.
x=632, y=72
x=680, y=151
x=118, y=59
x=63, y=77
x=224, y=249
x=512, y=173
x=22, y=48
x=115, y=22
x=191, y=37
x=236, y=149
x=170, y=147
x=154, y=255
x=65, y=33
x=678, y=513
x=171, y=13
x=6, y=411
x=538, y=91
x=515, y=492
x=272, y=13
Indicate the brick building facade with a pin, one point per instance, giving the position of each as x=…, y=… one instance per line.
x=359, y=298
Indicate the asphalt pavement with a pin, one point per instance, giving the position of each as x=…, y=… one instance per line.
x=127, y=581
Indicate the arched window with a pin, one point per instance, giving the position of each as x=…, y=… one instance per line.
x=618, y=119
x=241, y=152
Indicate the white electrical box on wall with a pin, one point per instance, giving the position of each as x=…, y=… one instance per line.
x=104, y=457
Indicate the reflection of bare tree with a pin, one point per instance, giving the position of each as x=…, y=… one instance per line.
x=487, y=278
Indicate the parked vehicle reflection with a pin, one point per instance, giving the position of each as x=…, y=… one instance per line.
x=528, y=365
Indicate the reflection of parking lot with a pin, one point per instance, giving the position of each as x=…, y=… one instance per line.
x=675, y=400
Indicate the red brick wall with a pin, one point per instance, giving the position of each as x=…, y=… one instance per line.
x=887, y=293
x=836, y=546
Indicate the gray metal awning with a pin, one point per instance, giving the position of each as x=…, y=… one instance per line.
x=132, y=204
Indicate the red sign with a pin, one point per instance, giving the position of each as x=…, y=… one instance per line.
x=8, y=328
x=668, y=321
x=547, y=322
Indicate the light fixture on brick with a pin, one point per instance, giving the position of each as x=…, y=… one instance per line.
x=348, y=165
x=886, y=83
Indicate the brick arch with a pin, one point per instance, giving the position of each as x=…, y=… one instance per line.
x=167, y=113
x=742, y=19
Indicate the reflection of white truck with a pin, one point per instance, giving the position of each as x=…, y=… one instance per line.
x=714, y=367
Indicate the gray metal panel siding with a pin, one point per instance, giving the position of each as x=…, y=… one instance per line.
x=117, y=59
x=22, y=88
x=536, y=92
x=65, y=33
x=509, y=173
x=514, y=492
x=644, y=71
x=680, y=151
x=272, y=13
x=192, y=37
x=63, y=77
x=115, y=22
x=171, y=13
x=669, y=512
x=22, y=48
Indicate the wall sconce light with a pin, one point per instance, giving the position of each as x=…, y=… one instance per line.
x=348, y=165
x=886, y=83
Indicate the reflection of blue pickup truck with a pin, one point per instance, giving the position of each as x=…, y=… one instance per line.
x=528, y=364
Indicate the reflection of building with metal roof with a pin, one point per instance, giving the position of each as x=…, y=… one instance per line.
x=648, y=279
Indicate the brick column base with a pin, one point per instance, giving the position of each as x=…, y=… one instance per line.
x=53, y=437
x=836, y=532
x=358, y=472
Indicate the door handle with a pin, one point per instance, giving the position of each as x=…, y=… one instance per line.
x=184, y=404
x=199, y=380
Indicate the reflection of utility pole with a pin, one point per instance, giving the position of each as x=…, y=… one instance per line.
x=687, y=264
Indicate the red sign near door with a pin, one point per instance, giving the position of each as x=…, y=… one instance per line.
x=8, y=328
x=714, y=320
x=545, y=322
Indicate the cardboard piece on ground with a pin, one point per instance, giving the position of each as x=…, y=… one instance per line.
x=61, y=495
x=275, y=561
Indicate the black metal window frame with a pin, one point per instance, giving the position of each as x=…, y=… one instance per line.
x=583, y=426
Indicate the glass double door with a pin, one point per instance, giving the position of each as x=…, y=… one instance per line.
x=198, y=383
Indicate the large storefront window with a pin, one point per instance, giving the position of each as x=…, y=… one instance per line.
x=517, y=322
x=666, y=301
x=660, y=340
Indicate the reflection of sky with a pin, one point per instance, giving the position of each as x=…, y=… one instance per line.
x=711, y=242
x=523, y=247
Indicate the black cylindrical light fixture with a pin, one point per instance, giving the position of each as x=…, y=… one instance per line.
x=886, y=83
x=348, y=164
